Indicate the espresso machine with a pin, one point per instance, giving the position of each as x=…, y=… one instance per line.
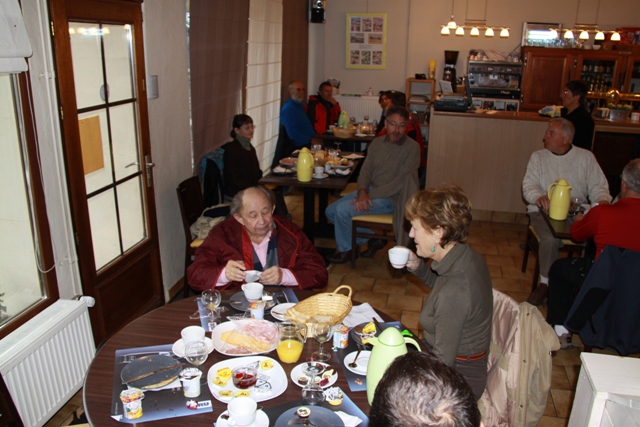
x=450, y=59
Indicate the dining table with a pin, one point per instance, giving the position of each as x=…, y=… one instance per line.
x=354, y=143
x=559, y=228
x=321, y=187
x=163, y=326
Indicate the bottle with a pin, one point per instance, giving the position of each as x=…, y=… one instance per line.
x=370, y=92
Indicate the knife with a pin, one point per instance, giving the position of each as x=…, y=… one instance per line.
x=148, y=374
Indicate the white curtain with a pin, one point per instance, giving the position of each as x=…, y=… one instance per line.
x=264, y=70
x=14, y=43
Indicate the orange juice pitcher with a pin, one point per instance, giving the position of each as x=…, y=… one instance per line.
x=291, y=343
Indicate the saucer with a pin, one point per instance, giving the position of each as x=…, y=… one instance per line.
x=178, y=347
x=361, y=135
x=262, y=420
x=362, y=362
x=323, y=176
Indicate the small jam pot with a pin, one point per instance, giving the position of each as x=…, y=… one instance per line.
x=244, y=376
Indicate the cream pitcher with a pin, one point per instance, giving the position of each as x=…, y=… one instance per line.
x=559, y=199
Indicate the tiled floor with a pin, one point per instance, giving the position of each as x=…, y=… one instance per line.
x=375, y=282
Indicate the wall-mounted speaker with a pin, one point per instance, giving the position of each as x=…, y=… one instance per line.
x=318, y=12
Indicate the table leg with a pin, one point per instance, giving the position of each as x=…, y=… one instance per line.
x=309, y=207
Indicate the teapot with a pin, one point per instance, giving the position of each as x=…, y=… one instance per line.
x=305, y=165
x=293, y=336
x=343, y=120
x=559, y=199
x=386, y=347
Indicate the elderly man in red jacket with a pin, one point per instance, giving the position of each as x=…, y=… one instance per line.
x=252, y=238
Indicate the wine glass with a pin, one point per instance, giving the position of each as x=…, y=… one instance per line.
x=322, y=331
x=312, y=392
x=196, y=352
x=211, y=300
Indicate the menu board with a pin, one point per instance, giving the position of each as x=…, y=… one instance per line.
x=367, y=40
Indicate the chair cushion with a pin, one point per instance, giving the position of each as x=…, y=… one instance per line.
x=379, y=218
x=349, y=188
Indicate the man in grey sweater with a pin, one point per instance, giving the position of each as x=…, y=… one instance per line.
x=559, y=159
x=390, y=166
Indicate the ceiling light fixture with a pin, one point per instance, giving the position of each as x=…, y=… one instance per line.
x=460, y=31
x=615, y=37
x=599, y=35
x=445, y=30
x=584, y=35
x=504, y=33
x=488, y=32
x=568, y=34
x=474, y=32
x=474, y=26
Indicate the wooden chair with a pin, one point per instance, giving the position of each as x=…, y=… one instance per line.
x=382, y=222
x=191, y=207
x=533, y=244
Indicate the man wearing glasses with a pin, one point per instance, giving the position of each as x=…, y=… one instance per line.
x=389, y=176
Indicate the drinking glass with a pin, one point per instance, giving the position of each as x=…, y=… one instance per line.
x=196, y=353
x=211, y=300
x=322, y=332
x=312, y=392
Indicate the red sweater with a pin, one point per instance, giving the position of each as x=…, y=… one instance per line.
x=321, y=113
x=616, y=225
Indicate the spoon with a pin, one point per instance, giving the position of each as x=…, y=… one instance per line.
x=354, y=364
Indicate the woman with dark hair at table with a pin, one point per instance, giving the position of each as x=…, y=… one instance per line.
x=241, y=166
x=457, y=314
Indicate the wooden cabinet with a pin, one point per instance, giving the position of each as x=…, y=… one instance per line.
x=547, y=70
x=420, y=94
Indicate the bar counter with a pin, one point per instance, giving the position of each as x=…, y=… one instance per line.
x=487, y=153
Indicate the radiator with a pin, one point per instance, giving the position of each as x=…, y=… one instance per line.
x=43, y=363
x=359, y=106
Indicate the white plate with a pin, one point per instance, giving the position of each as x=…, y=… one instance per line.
x=178, y=347
x=323, y=176
x=297, y=371
x=363, y=361
x=347, y=166
x=224, y=348
x=277, y=378
x=279, y=310
x=262, y=420
x=361, y=135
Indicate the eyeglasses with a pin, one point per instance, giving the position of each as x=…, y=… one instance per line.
x=248, y=127
x=567, y=92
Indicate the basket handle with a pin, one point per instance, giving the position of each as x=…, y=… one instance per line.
x=344, y=286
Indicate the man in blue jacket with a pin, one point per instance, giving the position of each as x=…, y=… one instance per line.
x=294, y=118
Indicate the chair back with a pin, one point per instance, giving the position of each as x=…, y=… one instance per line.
x=191, y=204
x=284, y=147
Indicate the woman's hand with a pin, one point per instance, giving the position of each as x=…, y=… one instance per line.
x=414, y=261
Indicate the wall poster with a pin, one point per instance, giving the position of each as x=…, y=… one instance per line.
x=367, y=40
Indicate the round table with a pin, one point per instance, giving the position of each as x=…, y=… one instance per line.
x=163, y=326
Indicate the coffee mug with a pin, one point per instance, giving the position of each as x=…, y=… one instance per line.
x=242, y=411
x=398, y=256
x=192, y=333
x=252, y=291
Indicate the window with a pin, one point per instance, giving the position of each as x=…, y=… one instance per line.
x=26, y=263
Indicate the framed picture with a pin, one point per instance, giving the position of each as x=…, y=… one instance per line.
x=367, y=40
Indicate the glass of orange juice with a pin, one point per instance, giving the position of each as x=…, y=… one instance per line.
x=292, y=339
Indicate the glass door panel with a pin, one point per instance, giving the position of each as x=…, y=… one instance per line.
x=87, y=63
x=118, y=61
x=125, y=142
x=132, y=222
x=103, y=214
x=96, y=149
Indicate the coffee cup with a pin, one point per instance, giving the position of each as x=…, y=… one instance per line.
x=635, y=117
x=252, y=291
x=318, y=170
x=398, y=256
x=252, y=276
x=242, y=411
x=192, y=333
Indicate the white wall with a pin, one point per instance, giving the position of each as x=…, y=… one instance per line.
x=165, y=38
x=414, y=27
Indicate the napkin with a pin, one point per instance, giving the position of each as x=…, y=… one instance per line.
x=344, y=172
x=353, y=156
x=361, y=314
x=348, y=420
x=280, y=169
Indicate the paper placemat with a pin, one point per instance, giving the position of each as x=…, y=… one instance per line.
x=156, y=405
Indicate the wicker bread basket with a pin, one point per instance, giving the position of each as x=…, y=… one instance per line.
x=343, y=133
x=331, y=305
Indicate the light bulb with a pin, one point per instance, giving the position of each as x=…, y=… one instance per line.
x=475, y=32
x=584, y=35
x=553, y=34
x=445, y=31
x=460, y=31
x=599, y=35
x=568, y=34
x=615, y=37
x=489, y=32
x=452, y=24
x=504, y=33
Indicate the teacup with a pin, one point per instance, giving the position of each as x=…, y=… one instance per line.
x=398, y=256
x=318, y=170
x=192, y=333
x=252, y=291
x=252, y=276
x=242, y=411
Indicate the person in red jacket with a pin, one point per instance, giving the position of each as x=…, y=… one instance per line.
x=323, y=109
x=252, y=238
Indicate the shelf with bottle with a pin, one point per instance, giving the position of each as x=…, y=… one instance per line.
x=597, y=82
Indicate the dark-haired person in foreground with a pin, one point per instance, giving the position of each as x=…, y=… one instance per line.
x=418, y=389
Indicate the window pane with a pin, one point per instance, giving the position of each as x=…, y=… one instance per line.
x=21, y=281
x=131, y=213
x=104, y=228
x=117, y=50
x=124, y=136
x=96, y=153
x=87, y=65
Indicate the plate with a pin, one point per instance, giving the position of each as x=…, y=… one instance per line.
x=288, y=162
x=277, y=378
x=323, y=176
x=320, y=417
x=297, y=371
x=363, y=361
x=361, y=135
x=224, y=348
x=151, y=363
x=178, y=347
x=347, y=166
x=279, y=310
x=262, y=420
x=239, y=302
x=358, y=337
